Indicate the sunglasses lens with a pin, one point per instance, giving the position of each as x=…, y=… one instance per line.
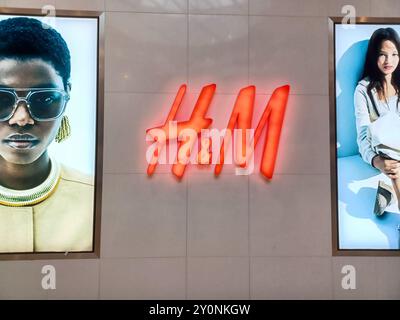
x=7, y=101
x=47, y=104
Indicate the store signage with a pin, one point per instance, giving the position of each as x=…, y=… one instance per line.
x=216, y=146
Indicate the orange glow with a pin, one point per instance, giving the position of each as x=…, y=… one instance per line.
x=187, y=132
x=242, y=114
x=275, y=113
x=171, y=116
x=196, y=122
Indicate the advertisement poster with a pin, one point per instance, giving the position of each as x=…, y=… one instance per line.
x=48, y=132
x=367, y=83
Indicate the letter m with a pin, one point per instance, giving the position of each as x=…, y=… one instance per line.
x=273, y=115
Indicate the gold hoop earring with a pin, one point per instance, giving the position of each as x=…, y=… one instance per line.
x=64, y=131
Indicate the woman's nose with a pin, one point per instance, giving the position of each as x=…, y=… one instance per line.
x=21, y=115
x=387, y=58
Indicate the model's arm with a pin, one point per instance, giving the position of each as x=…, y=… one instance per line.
x=362, y=123
x=389, y=167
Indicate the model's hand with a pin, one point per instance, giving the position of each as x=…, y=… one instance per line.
x=389, y=167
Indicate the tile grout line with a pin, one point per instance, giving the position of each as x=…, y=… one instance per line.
x=187, y=246
x=220, y=14
x=187, y=43
x=122, y=173
x=248, y=231
x=248, y=177
x=248, y=42
x=187, y=178
x=100, y=258
x=198, y=92
x=332, y=280
x=376, y=277
x=219, y=256
x=99, y=280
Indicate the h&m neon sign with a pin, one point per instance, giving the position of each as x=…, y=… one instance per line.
x=211, y=149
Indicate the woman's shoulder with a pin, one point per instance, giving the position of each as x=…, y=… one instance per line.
x=75, y=176
x=363, y=83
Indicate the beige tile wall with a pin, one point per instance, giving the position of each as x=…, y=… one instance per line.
x=227, y=238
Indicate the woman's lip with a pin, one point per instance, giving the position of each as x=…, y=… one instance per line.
x=21, y=137
x=19, y=144
x=21, y=141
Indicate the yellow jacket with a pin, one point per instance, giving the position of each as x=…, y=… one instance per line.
x=63, y=222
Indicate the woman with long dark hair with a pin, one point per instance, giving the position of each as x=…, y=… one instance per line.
x=376, y=98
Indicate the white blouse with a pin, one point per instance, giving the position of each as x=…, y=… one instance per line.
x=366, y=112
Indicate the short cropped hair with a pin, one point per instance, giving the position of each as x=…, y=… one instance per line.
x=24, y=38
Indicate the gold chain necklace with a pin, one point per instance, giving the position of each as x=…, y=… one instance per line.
x=29, y=197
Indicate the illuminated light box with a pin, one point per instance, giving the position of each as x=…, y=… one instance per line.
x=51, y=111
x=364, y=135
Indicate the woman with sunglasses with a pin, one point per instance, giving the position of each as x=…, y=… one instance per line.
x=44, y=206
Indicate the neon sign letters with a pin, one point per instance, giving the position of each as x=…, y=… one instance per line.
x=215, y=144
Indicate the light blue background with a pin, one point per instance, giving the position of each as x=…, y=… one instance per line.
x=359, y=228
x=80, y=34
